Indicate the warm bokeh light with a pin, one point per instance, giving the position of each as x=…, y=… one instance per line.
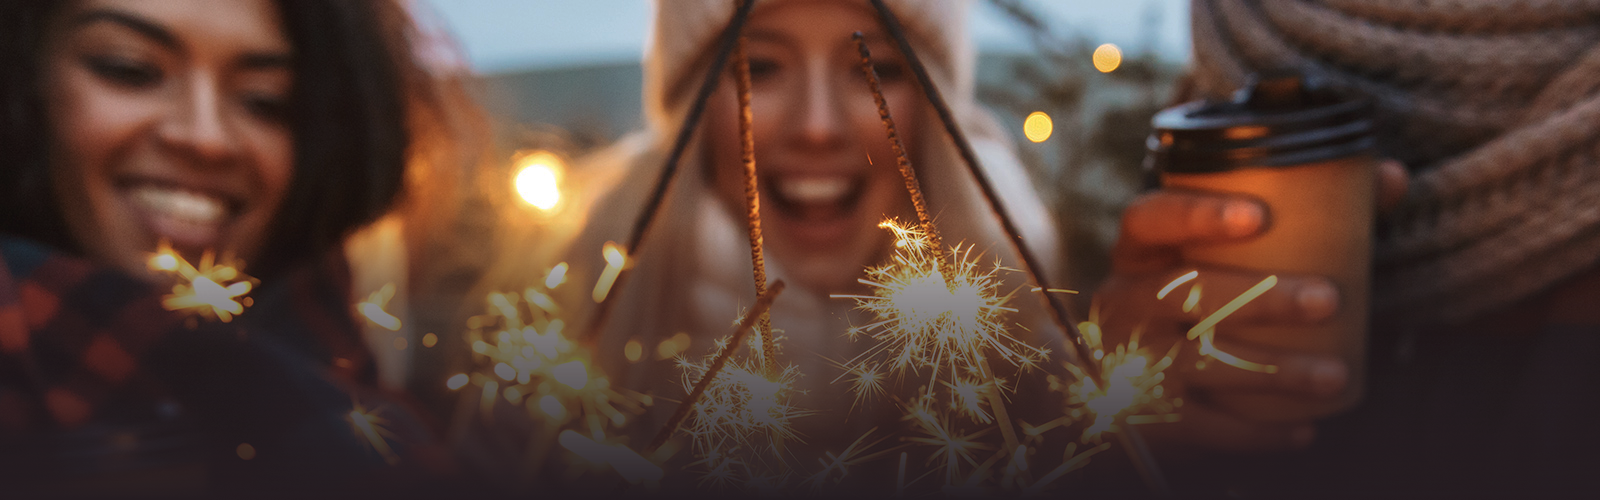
x=1038, y=126
x=539, y=179
x=457, y=381
x=1107, y=58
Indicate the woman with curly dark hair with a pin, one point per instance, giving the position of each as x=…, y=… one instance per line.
x=266, y=130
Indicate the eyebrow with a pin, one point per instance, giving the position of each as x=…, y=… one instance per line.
x=149, y=29
x=165, y=38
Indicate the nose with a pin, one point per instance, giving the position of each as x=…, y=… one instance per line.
x=821, y=124
x=197, y=126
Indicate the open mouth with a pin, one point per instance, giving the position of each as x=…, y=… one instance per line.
x=190, y=219
x=817, y=209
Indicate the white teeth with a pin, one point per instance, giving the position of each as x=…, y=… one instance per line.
x=813, y=189
x=183, y=205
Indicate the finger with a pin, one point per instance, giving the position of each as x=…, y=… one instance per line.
x=1201, y=428
x=1302, y=375
x=1293, y=300
x=1175, y=217
x=1392, y=181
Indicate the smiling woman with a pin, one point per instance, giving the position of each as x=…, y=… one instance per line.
x=263, y=130
x=827, y=176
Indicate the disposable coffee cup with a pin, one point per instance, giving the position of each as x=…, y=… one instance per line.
x=1306, y=154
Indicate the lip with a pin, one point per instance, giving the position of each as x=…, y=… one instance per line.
x=817, y=210
x=191, y=217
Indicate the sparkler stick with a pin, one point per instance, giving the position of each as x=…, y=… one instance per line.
x=1058, y=311
x=680, y=145
x=752, y=196
x=903, y=162
x=935, y=242
x=763, y=304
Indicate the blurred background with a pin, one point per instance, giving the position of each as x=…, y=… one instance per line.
x=1076, y=81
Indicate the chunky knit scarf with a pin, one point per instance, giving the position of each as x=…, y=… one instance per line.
x=1493, y=104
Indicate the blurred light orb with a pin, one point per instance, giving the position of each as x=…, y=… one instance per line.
x=1107, y=57
x=538, y=179
x=1038, y=127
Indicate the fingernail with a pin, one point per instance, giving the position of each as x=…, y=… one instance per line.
x=1303, y=436
x=1242, y=218
x=1318, y=300
x=1328, y=378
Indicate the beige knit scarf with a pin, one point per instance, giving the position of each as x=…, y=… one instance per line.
x=1493, y=104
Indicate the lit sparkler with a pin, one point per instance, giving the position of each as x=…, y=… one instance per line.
x=733, y=404
x=369, y=425
x=210, y=289
x=1133, y=393
x=524, y=357
x=373, y=308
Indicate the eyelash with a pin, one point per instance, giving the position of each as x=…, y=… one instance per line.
x=125, y=72
x=267, y=106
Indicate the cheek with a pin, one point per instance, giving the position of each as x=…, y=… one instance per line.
x=273, y=149
x=93, y=131
x=724, y=159
x=91, y=124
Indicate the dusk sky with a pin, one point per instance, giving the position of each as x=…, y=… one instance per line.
x=505, y=35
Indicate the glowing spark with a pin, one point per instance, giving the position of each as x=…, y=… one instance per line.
x=1037, y=127
x=571, y=373
x=1176, y=283
x=969, y=398
x=1216, y=317
x=212, y=289
x=556, y=277
x=925, y=322
x=741, y=405
x=538, y=179
x=953, y=448
x=1206, y=348
x=616, y=261
x=1133, y=390
x=370, y=425
x=372, y=308
x=522, y=356
x=866, y=382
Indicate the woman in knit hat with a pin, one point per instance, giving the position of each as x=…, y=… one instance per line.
x=828, y=178
x=1481, y=377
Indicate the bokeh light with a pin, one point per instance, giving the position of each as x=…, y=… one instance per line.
x=1038, y=126
x=538, y=179
x=1107, y=58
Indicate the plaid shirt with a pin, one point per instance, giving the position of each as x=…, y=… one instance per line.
x=102, y=389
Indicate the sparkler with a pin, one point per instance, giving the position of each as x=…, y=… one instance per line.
x=370, y=426
x=741, y=405
x=752, y=196
x=963, y=319
x=210, y=289
x=712, y=370
x=373, y=308
x=523, y=357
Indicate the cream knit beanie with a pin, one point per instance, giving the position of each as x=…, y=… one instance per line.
x=680, y=44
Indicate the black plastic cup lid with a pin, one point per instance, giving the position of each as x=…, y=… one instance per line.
x=1276, y=121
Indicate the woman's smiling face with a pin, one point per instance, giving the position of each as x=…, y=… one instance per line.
x=826, y=168
x=167, y=124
